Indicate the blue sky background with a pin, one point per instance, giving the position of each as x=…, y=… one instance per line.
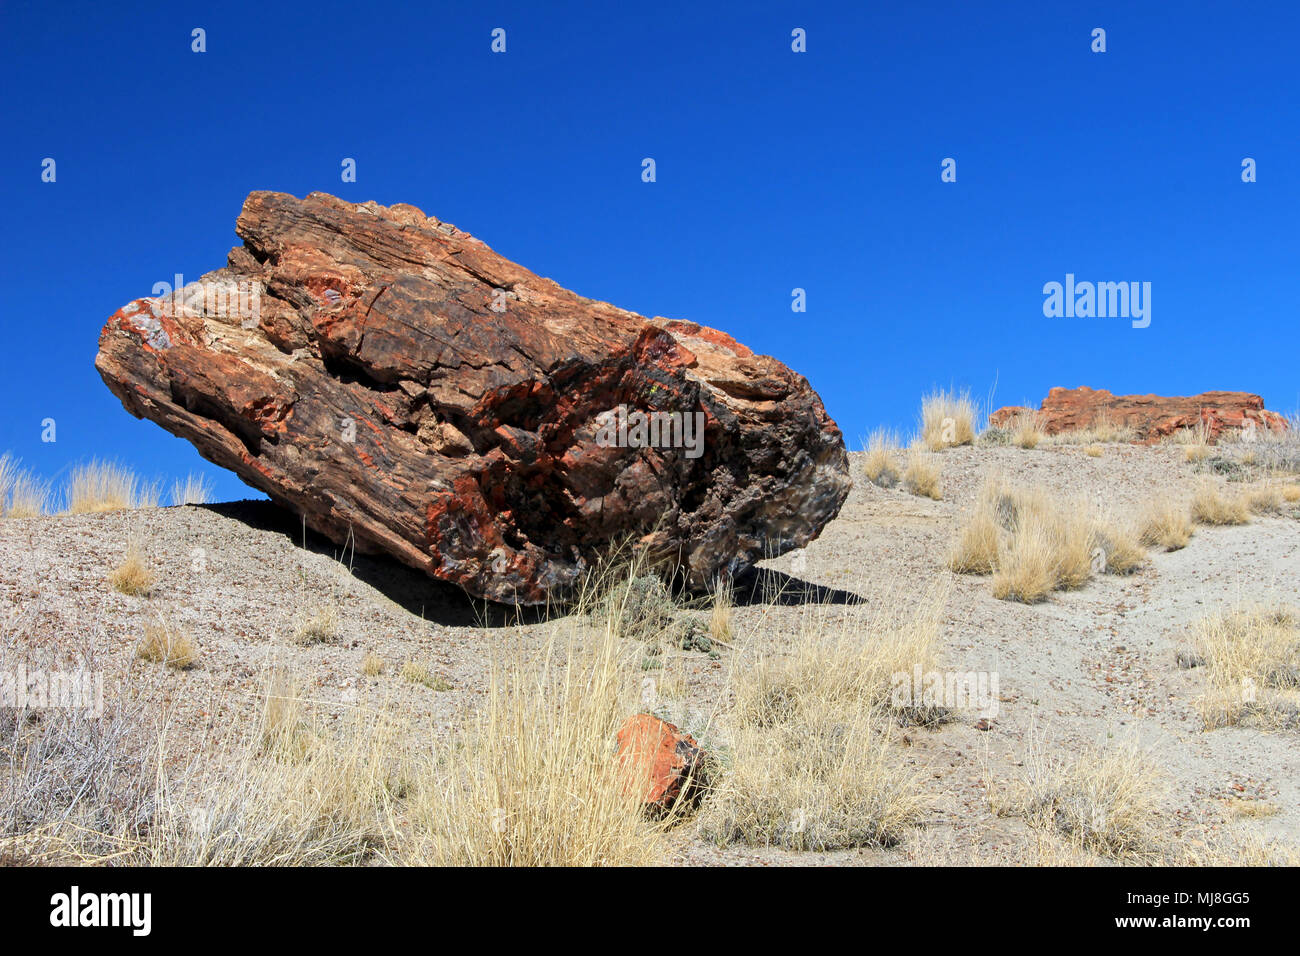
x=776, y=170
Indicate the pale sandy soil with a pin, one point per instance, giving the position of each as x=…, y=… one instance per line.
x=1090, y=666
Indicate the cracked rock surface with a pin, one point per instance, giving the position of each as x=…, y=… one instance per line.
x=388, y=376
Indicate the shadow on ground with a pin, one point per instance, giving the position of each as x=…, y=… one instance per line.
x=448, y=605
x=759, y=586
x=432, y=600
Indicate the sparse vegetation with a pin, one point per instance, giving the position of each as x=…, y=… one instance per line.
x=133, y=576
x=812, y=763
x=947, y=419
x=168, y=643
x=1212, y=507
x=317, y=624
x=372, y=665
x=107, y=486
x=194, y=490
x=881, y=463
x=1103, y=430
x=1166, y=525
x=1252, y=667
x=1093, y=451
x=1109, y=801
x=922, y=475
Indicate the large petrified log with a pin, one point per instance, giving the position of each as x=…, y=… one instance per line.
x=389, y=376
x=1150, y=416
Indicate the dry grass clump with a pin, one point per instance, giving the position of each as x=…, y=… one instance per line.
x=1093, y=451
x=1212, y=507
x=1025, y=569
x=280, y=728
x=1252, y=666
x=1025, y=430
x=947, y=419
x=812, y=762
x=1291, y=494
x=720, y=627
x=1033, y=544
x=1165, y=525
x=107, y=486
x=417, y=672
x=980, y=539
x=1109, y=801
x=1049, y=545
x=298, y=796
x=1265, y=500
x=168, y=643
x=535, y=780
x=1192, y=435
x=1121, y=548
x=133, y=576
x=318, y=624
x=23, y=494
x=977, y=545
x=372, y=665
x=881, y=462
x=194, y=490
x=922, y=475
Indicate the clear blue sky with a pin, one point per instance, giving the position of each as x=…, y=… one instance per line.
x=776, y=170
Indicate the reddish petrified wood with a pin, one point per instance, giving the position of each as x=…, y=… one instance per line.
x=1150, y=416
x=400, y=380
x=666, y=764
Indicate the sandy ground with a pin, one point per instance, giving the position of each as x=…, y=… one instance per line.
x=1085, y=667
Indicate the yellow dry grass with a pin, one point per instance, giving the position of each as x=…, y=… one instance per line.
x=947, y=419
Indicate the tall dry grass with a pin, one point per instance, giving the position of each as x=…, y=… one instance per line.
x=108, y=486
x=948, y=419
x=881, y=462
x=535, y=780
x=922, y=475
x=1252, y=667
x=23, y=494
x=1110, y=801
x=1034, y=544
x=1026, y=430
x=1212, y=507
x=1165, y=524
x=193, y=490
x=812, y=761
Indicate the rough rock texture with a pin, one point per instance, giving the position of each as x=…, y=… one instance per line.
x=671, y=760
x=389, y=376
x=1151, y=416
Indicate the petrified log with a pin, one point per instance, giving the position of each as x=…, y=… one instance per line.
x=385, y=374
x=1150, y=416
